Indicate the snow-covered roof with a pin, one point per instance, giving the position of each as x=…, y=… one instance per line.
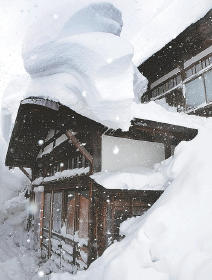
x=156, y=23
x=36, y=116
x=137, y=178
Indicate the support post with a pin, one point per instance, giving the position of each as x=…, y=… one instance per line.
x=25, y=173
x=81, y=148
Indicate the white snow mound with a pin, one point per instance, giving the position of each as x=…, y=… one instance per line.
x=87, y=67
x=137, y=178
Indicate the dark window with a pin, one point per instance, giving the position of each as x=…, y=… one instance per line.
x=57, y=212
x=47, y=210
x=176, y=99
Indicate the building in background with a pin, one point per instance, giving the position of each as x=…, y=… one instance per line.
x=180, y=74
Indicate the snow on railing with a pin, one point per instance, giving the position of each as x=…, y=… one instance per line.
x=61, y=175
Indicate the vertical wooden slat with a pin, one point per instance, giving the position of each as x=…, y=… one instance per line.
x=96, y=145
x=131, y=206
x=50, y=222
x=91, y=224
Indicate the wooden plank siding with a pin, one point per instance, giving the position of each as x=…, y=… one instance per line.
x=106, y=210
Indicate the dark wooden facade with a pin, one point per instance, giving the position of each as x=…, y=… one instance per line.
x=181, y=72
x=78, y=218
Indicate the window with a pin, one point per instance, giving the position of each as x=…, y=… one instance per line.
x=77, y=207
x=208, y=85
x=175, y=99
x=167, y=86
x=199, y=90
x=47, y=210
x=57, y=212
x=195, y=93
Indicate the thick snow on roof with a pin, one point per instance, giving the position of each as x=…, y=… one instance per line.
x=158, y=22
x=137, y=178
x=147, y=25
x=77, y=68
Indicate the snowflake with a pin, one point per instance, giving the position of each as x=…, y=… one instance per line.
x=116, y=150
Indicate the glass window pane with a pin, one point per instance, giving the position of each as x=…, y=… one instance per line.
x=195, y=94
x=198, y=67
x=46, y=217
x=189, y=73
x=57, y=212
x=179, y=79
x=208, y=85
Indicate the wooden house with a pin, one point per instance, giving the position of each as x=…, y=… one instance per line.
x=77, y=219
x=181, y=72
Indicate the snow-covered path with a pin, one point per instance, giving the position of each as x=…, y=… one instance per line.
x=16, y=261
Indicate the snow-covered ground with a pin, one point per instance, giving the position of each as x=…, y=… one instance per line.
x=17, y=261
x=172, y=241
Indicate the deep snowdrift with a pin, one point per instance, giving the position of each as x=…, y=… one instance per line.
x=17, y=259
x=80, y=70
x=173, y=240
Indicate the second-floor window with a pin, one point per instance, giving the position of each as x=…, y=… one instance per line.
x=199, y=90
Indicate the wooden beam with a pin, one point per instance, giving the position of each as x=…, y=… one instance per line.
x=81, y=148
x=25, y=173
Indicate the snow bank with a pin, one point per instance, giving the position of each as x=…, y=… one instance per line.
x=12, y=181
x=137, y=178
x=173, y=239
x=17, y=260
